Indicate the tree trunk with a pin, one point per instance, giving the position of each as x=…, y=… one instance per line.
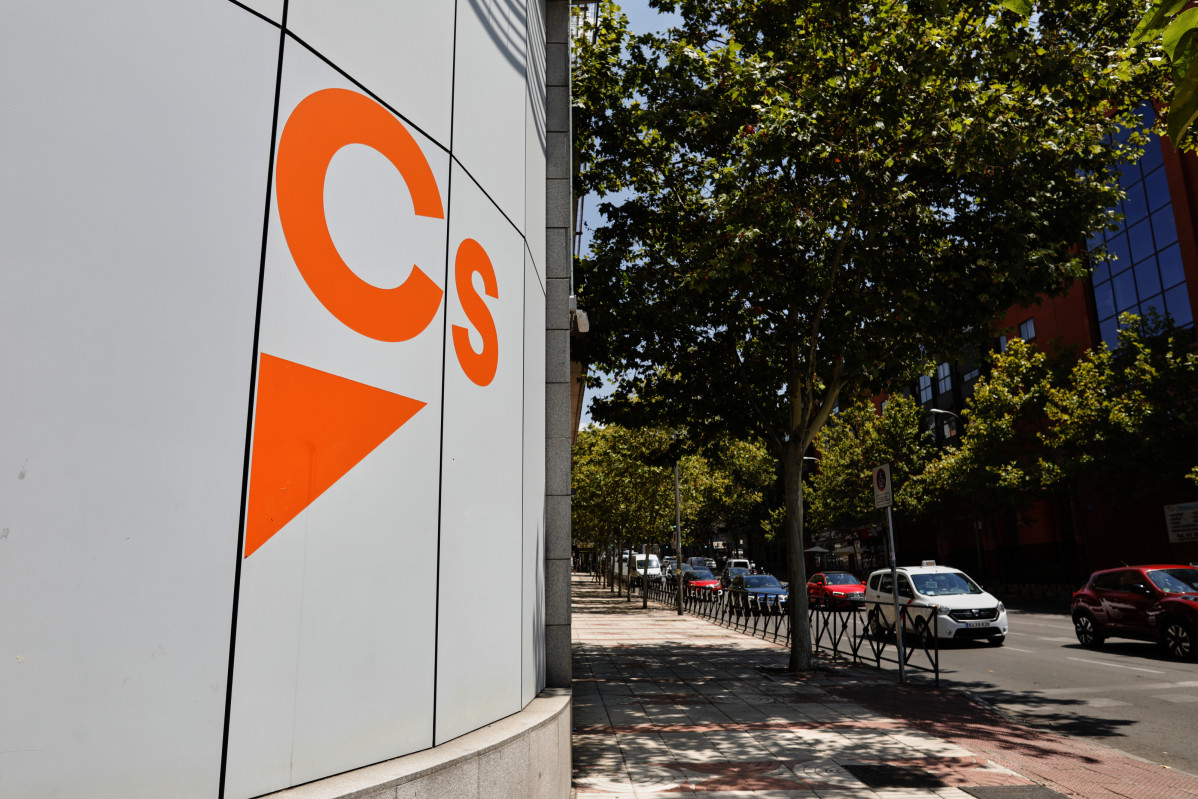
x=796, y=566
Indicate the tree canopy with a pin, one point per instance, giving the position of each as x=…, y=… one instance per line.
x=623, y=484
x=857, y=439
x=823, y=196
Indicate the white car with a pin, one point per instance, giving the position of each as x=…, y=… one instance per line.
x=938, y=599
x=650, y=570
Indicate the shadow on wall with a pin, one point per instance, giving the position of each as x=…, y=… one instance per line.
x=507, y=23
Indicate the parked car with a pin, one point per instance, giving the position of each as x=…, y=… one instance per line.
x=937, y=598
x=643, y=569
x=761, y=593
x=835, y=589
x=697, y=562
x=730, y=574
x=1147, y=603
x=700, y=580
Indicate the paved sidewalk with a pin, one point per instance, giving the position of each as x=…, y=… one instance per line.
x=675, y=705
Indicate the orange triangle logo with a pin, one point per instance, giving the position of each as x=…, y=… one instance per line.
x=310, y=428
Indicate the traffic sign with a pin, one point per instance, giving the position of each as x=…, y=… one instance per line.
x=883, y=496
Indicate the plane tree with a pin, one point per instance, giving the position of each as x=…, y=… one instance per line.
x=623, y=486
x=810, y=199
x=858, y=438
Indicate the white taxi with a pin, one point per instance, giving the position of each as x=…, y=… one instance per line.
x=939, y=601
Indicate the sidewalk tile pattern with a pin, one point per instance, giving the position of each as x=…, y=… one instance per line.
x=668, y=705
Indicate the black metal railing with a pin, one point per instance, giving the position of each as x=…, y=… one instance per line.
x=851, y=629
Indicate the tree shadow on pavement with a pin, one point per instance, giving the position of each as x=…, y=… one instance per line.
x=952, y=713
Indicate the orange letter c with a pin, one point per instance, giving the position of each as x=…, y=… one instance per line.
x=323, y=123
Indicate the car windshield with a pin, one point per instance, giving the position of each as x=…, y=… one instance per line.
x=699, y=574
x=944, y=584
x=1175, y=581
x=761, y=581
x=841, y=579
x=735, y=572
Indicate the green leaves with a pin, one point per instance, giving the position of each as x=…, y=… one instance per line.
x=1155, y=20
x=1181, y=25
x=1183, y=108
x=1021, y=7
x=1176, y=33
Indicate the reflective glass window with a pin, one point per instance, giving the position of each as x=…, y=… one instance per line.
x=1147, y=280
x=1156, y=303
x=1152, y=157
x=1172, y=272
x=1164, y=230
x=1102, y=270
x=1109, y=329
x=1125, y=292
x=1134, y=206
x=1140, y=236
x=925, y=388
x=1177, y=303
x=1156, y=185
x=944, y=378
x=1120, y=254
x=1027, y=329
x=1104, y=300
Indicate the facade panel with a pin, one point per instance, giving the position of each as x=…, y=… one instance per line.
x=402, y=52
x=276, y=409
x=533, y=564
x=480, y=596
x=336, y=622
x=490, y=94
x=134, y=154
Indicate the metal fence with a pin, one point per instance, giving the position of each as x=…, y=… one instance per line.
x=854, y=630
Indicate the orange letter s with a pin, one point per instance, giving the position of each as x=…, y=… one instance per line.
x=479, y=366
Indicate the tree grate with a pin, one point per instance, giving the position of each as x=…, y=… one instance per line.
x=1013, y=792
x=887, y=776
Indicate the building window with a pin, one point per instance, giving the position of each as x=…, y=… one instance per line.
x=944, y=378
x=1027, y=329
x=1142, y=269
x=1002, y=343
x=949, y=426
x=925, y=389
x=972, y=374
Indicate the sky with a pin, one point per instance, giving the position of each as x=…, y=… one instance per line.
x=641, y=19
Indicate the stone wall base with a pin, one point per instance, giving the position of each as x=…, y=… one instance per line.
x=523, y=756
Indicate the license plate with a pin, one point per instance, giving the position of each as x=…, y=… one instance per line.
x=979, y=624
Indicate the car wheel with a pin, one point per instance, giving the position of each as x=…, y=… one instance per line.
x=875, y=623
x=1177, y=636
x=923, y=635
x=1086, y=630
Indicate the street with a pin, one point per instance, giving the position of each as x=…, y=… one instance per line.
x=1127, y=694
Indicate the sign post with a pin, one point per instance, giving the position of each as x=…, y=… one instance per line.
x=884, y=498
x=645, y=576
x=678, y=536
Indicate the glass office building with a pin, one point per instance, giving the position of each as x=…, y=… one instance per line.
x=1145, y=270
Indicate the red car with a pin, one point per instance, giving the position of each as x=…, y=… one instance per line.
x=701, y=580
x=1147, y=603
x=835, y=589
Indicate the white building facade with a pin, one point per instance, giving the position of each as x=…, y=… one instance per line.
x=280, y=334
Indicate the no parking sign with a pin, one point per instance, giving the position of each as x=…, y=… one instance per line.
x=883, y=496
